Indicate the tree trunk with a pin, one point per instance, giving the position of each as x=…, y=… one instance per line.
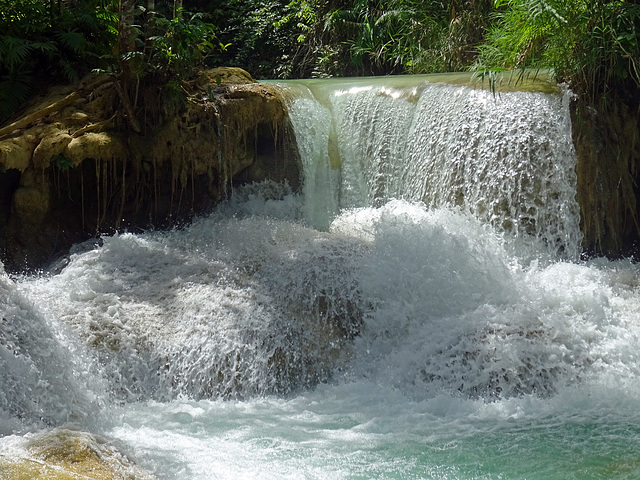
x=150, y=22
x=126, y=32
x=127, y=44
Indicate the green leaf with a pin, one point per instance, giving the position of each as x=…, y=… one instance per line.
x=14, y=89
x=73, y=40
x=62, y=162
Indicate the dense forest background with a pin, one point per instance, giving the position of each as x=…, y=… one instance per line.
x=591, y=44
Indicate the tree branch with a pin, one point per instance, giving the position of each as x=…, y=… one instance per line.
x=48, y=110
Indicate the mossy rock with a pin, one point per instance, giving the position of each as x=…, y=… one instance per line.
x=227, y=76
x=63, y=454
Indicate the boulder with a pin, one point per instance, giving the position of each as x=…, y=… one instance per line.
x=66, y=454
x=16, y=152
x=227, y=76
x=95, y=146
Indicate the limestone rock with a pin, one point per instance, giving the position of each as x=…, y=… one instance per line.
x=66, y=454
x=49, y=147
x=16, y=152
x=227, y=76
x=77, y=118
x=254, y=116
x=97, y=146
x=31, y=204
x=78, y=171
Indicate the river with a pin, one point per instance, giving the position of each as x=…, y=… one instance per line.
x=421, y=310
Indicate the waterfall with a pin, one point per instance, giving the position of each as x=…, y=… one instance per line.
x=403, y=178
x=420, y=299
x=508, y=159
x=43, y=375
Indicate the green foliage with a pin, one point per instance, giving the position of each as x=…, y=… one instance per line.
x=370, y=37
x=258, y=36
x=49, y=41
x=153, y=57
x=470, y=21
x=591, y=44
x=373, y=36
x=319, y=51
x=14, y=89
x=319, y=38
x=43, y=40
x=181, y=44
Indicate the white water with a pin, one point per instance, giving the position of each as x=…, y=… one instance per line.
x=400, y=340
x=505, y=159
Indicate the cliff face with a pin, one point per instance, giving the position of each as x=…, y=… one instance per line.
x=607, y=142
x=78, y=170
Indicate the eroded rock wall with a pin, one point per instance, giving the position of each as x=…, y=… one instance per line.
x=607, y=143
x=80, y=171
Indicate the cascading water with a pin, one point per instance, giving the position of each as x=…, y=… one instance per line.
x=505, y=158
x=419, y=311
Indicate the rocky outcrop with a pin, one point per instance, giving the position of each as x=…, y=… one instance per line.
x=607, y=143
x=66, y=454
x=72, y=168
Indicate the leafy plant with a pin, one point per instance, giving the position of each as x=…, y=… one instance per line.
x=319, y=38
x=262, y=36
x=591, y=44
x=61, y=162
x=181, y=44
x=367, y=36
x=42, y=40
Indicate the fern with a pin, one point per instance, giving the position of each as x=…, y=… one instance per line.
x=73, y=40
x=16, y=53
x=13, y=52
x=591, y=45
x=40, y=40
x=14, y=89
x=540, y=7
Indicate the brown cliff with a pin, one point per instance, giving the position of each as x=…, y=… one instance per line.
x=73, y=168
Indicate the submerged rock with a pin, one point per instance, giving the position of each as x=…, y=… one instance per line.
x=226, y=308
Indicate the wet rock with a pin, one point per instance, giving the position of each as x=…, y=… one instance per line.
x=79, y=171
x=65, y=454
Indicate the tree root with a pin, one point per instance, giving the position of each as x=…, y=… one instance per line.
x=93, y=127
x=53, y=108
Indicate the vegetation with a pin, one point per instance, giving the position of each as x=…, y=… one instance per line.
x=319, y=38
x=591, y=44
x=45, y=42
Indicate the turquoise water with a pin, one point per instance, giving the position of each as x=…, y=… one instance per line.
x=338, y=433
